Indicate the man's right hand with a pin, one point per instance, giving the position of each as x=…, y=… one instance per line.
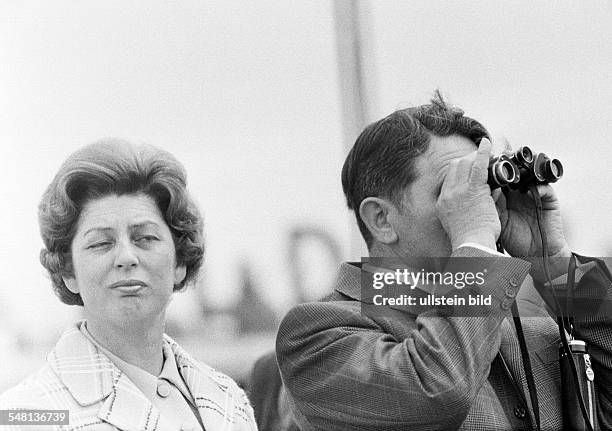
x=465, y=206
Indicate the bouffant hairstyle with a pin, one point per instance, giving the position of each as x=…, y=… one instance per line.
x=116, y=167
x=382, y=160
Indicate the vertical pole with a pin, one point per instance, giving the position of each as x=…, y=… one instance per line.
x=352, y=89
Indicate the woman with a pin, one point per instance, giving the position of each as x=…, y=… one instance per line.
x=121, y=235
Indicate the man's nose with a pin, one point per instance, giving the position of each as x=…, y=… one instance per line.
x=126, y=255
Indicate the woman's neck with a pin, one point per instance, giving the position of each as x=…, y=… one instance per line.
x=139, y=343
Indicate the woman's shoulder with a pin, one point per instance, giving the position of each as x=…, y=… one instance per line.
x=204, y=379
x=35, y=391
x=212, y=390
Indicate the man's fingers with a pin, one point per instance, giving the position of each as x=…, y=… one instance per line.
x=496, y=194
x=478, y=173
x=507, y=148
x=451, y=175
x=548, y=196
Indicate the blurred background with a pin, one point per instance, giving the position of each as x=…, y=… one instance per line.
x=261, y=101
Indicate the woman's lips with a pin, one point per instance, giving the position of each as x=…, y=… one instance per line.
x=128, y=286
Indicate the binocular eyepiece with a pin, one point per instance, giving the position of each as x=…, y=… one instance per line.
x=522, y=169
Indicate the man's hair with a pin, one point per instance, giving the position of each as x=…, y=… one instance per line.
x=382, y=161
x=117, y=167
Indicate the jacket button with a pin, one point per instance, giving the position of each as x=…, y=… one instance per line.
x=520, y=412
x=513, y=282
x=510, y=292
x=163, y=390
x=506, y=304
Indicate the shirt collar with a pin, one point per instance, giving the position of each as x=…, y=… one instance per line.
x=143, y=380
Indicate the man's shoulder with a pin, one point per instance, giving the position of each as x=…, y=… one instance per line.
x=333, y=305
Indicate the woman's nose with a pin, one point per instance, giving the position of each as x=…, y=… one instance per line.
x=125, y=255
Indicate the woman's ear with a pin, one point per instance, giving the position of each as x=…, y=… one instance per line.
x=179, y=274
x=376, y=214
x=71, y=284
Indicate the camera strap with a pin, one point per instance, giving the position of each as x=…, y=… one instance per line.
x=569, y=300
x=533, y=394
x=570, y=285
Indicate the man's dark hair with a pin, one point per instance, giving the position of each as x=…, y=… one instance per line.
x=382, y=161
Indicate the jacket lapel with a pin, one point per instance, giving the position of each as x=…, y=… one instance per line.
x=128, y=409
x=207, y=389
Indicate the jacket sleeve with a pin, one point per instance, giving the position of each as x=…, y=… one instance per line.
x=346, y=370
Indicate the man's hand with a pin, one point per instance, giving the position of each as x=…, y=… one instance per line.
x=465, y=206
x=520, y=234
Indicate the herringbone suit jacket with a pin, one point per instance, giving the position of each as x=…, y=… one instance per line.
x=345, y=368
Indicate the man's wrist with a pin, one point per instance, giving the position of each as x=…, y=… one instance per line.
x=554, y=266
x=482, y=239
x=481, y=247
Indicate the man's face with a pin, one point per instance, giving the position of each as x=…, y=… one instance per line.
x=419, y=230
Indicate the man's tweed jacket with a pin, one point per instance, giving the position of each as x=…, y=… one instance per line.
x=81, y=379
x=345, y=369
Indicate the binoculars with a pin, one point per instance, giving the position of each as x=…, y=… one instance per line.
x=523, y=168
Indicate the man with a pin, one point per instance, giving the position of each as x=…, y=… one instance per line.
x=417, y=182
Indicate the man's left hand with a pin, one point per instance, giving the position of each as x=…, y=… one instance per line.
x=519, y=227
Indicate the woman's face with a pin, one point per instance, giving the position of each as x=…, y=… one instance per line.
x=124, y=259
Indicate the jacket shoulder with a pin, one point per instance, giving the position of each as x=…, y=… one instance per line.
x=226, y=389
x=330, y=312
x=34, y=391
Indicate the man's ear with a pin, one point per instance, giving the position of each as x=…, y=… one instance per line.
x=376, y=214
x=71, y=284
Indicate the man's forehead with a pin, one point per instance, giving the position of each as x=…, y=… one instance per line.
x=442, y=150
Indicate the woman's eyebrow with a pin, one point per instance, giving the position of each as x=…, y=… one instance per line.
x=97, y=229
x=143, y=224
x=138, y=225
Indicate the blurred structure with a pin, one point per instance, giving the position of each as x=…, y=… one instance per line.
x=252, y=312
x=355, y=89
x=313, y=257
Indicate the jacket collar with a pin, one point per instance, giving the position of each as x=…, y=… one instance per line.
x=85, y=371
x=348, y=280
x=91, y=377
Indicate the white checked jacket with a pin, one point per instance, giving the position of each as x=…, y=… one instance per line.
x=83, y=380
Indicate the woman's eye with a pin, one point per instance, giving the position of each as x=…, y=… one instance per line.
x=100, y=244
x=146, y=238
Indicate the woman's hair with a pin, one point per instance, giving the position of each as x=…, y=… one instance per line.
x=116, y=167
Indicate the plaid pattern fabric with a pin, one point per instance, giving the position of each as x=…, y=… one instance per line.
x=347, y=369
x=81, y=379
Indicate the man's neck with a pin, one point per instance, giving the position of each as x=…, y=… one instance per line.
x=397, y=255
